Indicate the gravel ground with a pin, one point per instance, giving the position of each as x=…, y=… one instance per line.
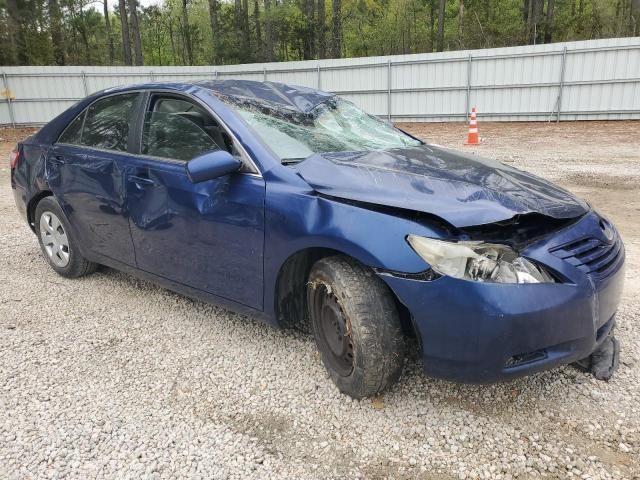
x=111, y=377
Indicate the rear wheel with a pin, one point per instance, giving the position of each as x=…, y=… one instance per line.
x=57, y=242
x=356, y=326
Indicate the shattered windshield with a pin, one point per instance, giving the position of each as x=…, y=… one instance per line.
x=335, y=125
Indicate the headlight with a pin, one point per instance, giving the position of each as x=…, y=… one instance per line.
x=478, y=261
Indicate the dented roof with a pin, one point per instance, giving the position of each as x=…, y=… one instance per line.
x=277, y=95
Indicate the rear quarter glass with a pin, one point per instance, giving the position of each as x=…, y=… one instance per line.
x=73, y=133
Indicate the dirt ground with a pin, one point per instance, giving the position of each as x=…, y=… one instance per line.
x=110, y=377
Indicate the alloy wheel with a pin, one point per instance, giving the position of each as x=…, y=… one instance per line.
x=54, y=239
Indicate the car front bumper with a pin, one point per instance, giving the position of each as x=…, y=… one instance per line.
x=476, y=332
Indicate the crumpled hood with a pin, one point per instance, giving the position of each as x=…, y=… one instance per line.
x=462, y=189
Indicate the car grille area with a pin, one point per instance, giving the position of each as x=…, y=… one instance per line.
x=595, y=257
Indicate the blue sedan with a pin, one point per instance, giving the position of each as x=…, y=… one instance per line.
x=295, y=207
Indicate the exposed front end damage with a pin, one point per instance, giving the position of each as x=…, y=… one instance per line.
x=544, y=295
x=460, y=189
x=474, y=331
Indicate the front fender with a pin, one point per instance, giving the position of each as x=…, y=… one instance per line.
x=297, y=220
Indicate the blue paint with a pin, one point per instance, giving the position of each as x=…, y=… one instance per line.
x=223, y=237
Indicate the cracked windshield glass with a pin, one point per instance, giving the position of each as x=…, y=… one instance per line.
x=335, y=125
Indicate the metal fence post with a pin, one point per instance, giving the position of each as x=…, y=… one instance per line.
x=468, y=101
x=151, y=76
x=84, y=83
x=561, y=84
x=264, y=74
x=319, y=84
x=9, y=104
x=389, y=90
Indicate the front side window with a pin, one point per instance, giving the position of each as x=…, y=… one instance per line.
x=175, y=137
x=178, y=129
x=335, y=125
x=104, y=124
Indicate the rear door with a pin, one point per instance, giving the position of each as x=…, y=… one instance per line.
x=86, y=174
x=208, y=235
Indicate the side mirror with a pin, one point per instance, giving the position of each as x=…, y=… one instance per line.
x=212, y=165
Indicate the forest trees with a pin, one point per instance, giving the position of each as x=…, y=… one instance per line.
x=197, y=32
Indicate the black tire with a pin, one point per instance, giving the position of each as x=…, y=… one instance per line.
x=77, y=265
x=356, y=326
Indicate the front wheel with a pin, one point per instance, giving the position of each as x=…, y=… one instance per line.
x=356, y=326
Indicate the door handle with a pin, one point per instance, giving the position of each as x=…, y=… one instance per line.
x=141, y=181
x=57, y=159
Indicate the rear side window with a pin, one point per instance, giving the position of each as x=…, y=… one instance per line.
x=105, y=124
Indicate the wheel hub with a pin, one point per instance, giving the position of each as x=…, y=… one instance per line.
x=335, y=336
x=54, y=239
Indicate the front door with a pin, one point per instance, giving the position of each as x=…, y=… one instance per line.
x=208, y=235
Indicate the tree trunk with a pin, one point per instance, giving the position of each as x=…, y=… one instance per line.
x=538, y=21
x=320, y=33
x=57, y=39
x=186, y=31
x=80, y=24
x=16, y=32
x=548, y=32
x=441, y=26
x=126, y=42
x=213, y=18
x=135, y=30
x=309, y=43
x=159, y=36
x=183, y=43
x=529, y=6
x=107, y=24
x=460, y=23
x=634, y=18
x=432, y=29
x=268, y=31
x=256, y=21
x=596, y=20
x=173, y=43
x=336, y=33
x=246, y=38
x=580, y=22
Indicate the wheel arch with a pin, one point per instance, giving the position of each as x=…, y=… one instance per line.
x=290, y=299
x=33, y=204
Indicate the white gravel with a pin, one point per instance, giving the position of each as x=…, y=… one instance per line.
x=111, y=377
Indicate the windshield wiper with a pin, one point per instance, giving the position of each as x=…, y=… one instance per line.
x=292, y=161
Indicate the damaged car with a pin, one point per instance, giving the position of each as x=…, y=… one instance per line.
x=295, y=207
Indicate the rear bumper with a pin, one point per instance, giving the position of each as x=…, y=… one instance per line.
x=20, y=197
x=477, y=332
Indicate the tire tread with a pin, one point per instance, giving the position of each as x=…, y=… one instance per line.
x=371, y=309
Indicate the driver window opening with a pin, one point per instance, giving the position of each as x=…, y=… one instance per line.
x=178, y=129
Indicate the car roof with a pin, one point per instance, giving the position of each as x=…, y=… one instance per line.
x=270, y=94
x=278, y=95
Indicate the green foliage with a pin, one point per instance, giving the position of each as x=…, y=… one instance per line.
x=368, y=27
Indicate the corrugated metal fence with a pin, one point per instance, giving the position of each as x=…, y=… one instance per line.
x=597, y=79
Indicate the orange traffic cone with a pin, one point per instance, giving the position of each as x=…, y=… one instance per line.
x=473, y=138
